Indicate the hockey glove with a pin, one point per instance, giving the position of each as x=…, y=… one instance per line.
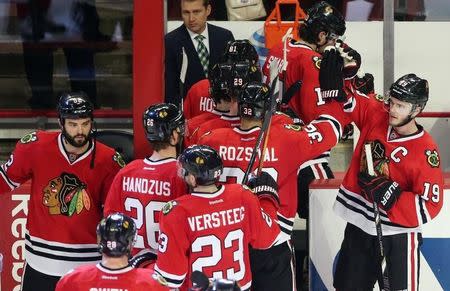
x=365, y=84
x=380, y=189
x=265, y=187
x=352, y=60
x=331, y=76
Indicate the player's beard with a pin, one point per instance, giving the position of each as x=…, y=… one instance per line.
x=73, y=142
x=401, y=122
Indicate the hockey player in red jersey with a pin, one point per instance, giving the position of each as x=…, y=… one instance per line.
x=70, y=176
x=198, y=99
x=224, y=89
x=142, y=188
x=241, y=73
x=288, y=147
x=408, y=187
x=116, y=235
x=211, y=229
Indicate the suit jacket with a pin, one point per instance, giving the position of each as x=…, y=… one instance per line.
x=174, y=41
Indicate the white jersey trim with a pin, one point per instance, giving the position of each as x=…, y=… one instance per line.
x=159, y=162
x=173, y=281
x=403, y=139
x=55, y=258
x=64, y=153
x=209, y=195
x=323, y=158
x=117, y=271
x=12, y=185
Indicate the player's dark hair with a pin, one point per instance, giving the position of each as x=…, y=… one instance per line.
x=205, y=2
x=322, y=17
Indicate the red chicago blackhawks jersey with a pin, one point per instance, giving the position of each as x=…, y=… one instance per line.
x=412, y=161
x=224, y=121
x=304, y=67
x=193, y=124
x=66, y=199
x=99, y=278
x=211, y=233
x=276, y=54
x=288, y=147
x=140, y=190
x=197, y=100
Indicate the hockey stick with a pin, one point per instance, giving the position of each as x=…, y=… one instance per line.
x=377, y=217
x=266, y=123
x=183, y=71
x=287, y=96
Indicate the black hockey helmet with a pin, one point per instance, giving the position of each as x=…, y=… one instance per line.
x=410, y=88
x=220, y=82
x=161, y=120
x=242, y=73
x=203, y=162
x=74, y=105
x=322, y=17
x=239, y=51
x=254, y=100
x=116, y=235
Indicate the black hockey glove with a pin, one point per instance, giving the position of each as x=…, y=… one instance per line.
x=352, y=60
x=142, y=259
x=331, y=76
x=365, y=84
x=380, y=189
x=224, y=285
x=265, y=187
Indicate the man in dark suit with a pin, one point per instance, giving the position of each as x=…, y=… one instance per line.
x=204, y=45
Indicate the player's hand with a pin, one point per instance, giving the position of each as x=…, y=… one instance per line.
x=380, y=189
x=331, y=76
x=347, y=132
x=365, y=84
x=265, y=187
x=352, y=59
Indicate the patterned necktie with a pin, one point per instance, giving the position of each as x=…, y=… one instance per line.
x=203, y=54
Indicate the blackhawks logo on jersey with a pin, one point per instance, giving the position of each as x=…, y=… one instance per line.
x=168, y=207
x=119, y=159
x=66, y=195
x=316, y=60
x=380, y=161
x=294, y=127
x=433, y=158
x=30, y=137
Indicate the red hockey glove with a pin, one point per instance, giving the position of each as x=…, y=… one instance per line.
x=265, y=187
x=380, y=189
x=331, y=76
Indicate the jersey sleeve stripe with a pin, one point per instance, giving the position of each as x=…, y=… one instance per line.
x=173, y=281
x=356, y=202
x=8, y=181
x=336, y=125
x=350, y=105
x=423, y=216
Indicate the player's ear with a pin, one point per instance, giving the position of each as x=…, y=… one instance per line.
x=416, y=110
